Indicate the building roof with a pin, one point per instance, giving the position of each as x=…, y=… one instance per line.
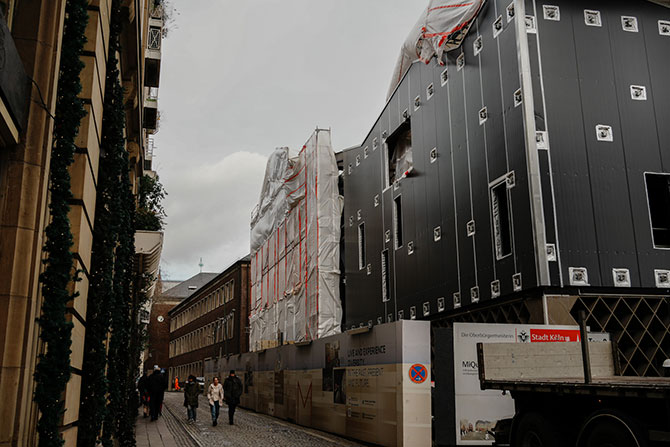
x=167, y=285
x=190, y=286
x=213, y=277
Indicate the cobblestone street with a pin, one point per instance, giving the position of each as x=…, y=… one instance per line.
x=250, y=429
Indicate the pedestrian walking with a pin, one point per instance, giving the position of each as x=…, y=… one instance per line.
x=191, y=392
x=143, y=389
x=232, y=391
x=157, y=386
x=176, y=383
x=215, y=397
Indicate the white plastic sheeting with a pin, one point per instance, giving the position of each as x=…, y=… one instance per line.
x=442, y=27
x=295, y=247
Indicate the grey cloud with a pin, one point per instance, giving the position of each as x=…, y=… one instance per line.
x=239, y=78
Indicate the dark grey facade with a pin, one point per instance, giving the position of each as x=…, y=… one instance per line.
x=539, y=165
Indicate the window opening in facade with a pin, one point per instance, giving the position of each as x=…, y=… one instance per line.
x=361, y=246
x=658, y=197
x=385, y=276
x=502, y=230
x=397, y=222
x=398, y=153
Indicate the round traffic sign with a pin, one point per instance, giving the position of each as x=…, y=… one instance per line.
x=418, y=373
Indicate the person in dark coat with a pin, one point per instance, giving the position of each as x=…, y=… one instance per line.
x=143, y=389
x=157, y=386
x=191, y=392
x=232, y=391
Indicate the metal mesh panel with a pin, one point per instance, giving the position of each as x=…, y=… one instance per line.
x=639, y=325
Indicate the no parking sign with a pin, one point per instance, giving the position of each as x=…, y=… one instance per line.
x=418, y=373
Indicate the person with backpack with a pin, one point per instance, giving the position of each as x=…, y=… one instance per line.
x=232, y=391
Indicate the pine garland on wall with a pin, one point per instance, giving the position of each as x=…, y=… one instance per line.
x=53, y=369
x=106, y=363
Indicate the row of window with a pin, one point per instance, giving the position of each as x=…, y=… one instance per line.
x=399, y=147
x=220, y=296
x=215, y=332
x=183, y=371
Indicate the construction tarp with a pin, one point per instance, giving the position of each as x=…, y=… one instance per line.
x=295, y=247
x=442, y=27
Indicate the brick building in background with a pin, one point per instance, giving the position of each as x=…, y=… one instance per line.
x=210, y=323
x=159, y=320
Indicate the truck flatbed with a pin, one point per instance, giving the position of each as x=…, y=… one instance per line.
x=623, y=386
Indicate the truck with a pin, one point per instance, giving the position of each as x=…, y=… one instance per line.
x=572, y=394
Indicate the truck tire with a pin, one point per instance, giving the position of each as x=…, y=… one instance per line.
x=612, y=431
x=534, y=430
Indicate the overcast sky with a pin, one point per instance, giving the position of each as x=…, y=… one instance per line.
x=240, y=78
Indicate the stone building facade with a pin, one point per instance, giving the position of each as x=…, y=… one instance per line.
x=32, y=33
x=211, y=323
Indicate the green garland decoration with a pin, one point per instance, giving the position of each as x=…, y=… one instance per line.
x=52, y=372
x=118, y=368
x=103, y=292
x=114, y=337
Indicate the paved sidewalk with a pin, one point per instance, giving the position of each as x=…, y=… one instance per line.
x=153, y=434
x=167, y=431
x=250, y=430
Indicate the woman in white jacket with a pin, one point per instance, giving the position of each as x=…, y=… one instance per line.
x=215, y=397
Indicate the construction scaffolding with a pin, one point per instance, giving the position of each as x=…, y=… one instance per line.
x=295, y=251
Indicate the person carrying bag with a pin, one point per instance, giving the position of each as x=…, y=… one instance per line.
x=215, y=397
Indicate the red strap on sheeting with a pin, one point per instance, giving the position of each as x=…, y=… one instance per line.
x=450, y=6
x=316, y=201
x=307, y=326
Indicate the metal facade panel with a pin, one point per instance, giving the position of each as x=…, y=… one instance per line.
x=462, y=183
x=545, y=166
x=432, y=254
x=354, y=280
x=588, y=74
x=478, y=165
x=566, y=130
x=543, y=152
x=375, y=236
x=390, y=307
x=657, y=50
x=606, y=163
x=444, y=164
x=640, y=133
x=524, y=249
x=419, y=181
x=496, y=134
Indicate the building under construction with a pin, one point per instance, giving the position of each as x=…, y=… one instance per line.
x=521, y=177
x=519, y=172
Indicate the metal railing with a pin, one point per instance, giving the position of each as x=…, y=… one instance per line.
x=149, y=150
x=154, y=41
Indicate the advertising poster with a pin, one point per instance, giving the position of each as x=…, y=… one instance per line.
x=478, y=411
